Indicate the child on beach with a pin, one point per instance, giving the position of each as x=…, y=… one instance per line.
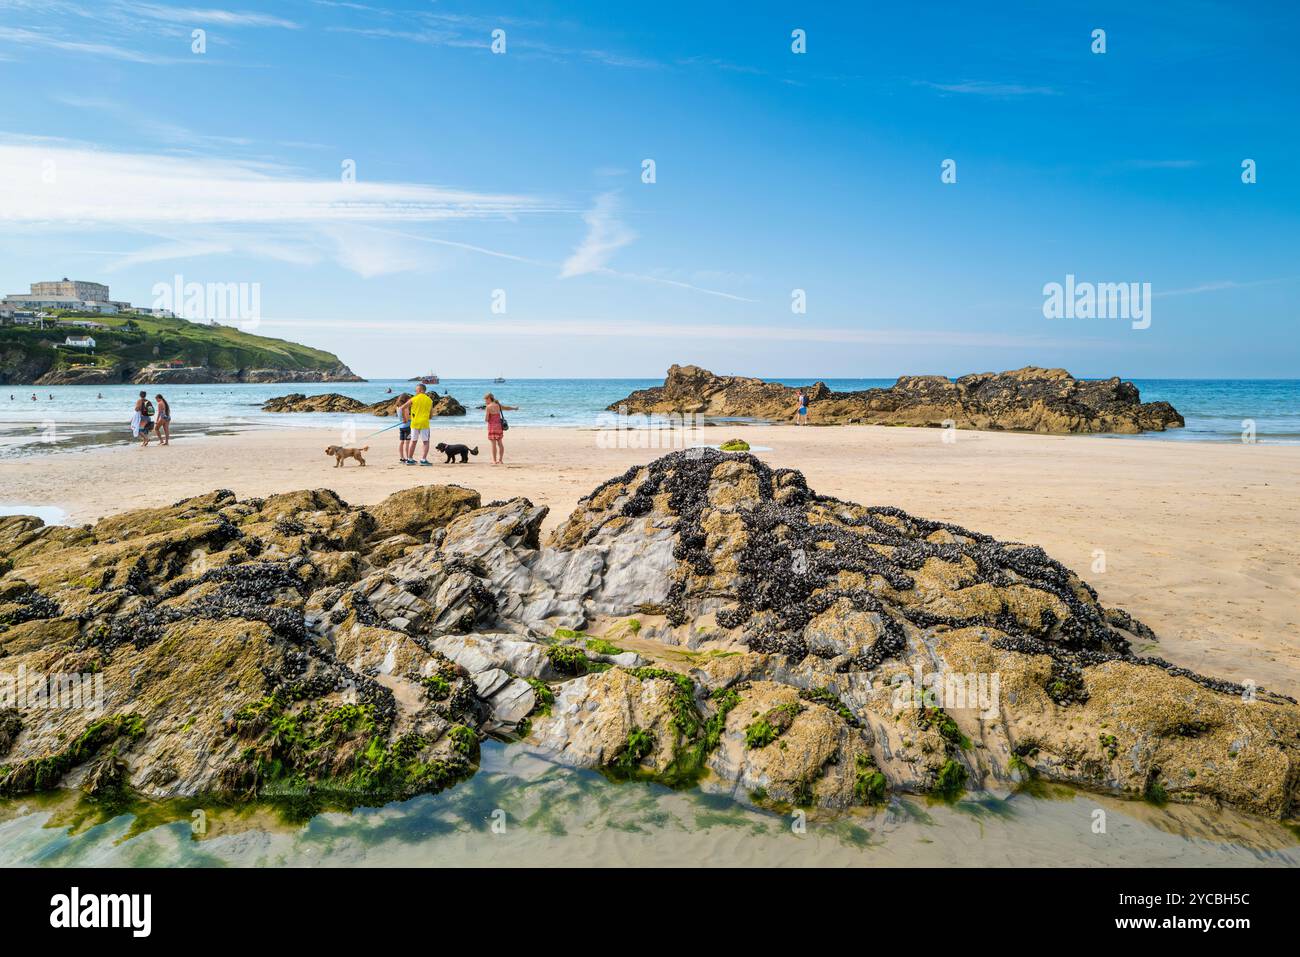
x=801, y=416
x=405, y=455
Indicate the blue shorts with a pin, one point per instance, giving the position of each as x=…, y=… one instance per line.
x=803, y=410
x=404, y=433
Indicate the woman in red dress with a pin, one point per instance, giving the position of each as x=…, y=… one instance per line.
x=496, y=425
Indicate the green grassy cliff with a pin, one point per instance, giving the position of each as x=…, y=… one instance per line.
x=138, y=348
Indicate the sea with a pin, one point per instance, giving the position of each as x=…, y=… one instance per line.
x=42, y=419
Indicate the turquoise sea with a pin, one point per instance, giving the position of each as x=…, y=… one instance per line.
x=73, y=417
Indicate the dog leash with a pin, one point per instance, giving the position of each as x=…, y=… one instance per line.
x=384, y=429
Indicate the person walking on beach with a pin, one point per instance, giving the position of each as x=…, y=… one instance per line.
x=420, y=406
x=164, y=420
x=137, y=413
x=405, y=455
x=801, y=416
x=497, y=425
x=145, y=409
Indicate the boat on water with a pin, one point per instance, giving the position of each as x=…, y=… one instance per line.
x=429, y=379
x=498, y=379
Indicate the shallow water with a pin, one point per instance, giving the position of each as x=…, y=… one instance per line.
x=81, y=416
x=553, y=815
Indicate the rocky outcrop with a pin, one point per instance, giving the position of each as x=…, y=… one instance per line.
x=328, y=402
x=81, y=375
x=443, y=405
x=702, y=620
x=1027, y=400
x=339, y=373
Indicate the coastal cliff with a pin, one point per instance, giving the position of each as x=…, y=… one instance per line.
x=147, y=350
x=1028, y=400
x=703, y=619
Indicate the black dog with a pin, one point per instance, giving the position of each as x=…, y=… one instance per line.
x=451, y=451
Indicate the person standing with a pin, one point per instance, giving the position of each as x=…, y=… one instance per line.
x=801, y=416
x=164, y=420
x=496, y=425
x=145, y=410
x=137, y=413
x=405, y=447
x=420, y=407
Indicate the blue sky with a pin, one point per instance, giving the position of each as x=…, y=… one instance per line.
x=125, y=157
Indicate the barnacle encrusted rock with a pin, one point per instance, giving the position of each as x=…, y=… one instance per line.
x=1027, y=400
x=702, y=619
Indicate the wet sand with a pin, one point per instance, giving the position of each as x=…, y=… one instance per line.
x=1199, y=540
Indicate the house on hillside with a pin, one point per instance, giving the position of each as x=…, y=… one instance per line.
x=79, y=342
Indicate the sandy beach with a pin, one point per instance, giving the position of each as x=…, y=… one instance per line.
x=1199, y=539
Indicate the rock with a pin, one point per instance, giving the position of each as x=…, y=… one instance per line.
x=443, y=405
x=758, y=639
x=82, y=375
x=418, y=511
x=327, y=402
x=813, y=759
x=1028, y=400
x=593, y=716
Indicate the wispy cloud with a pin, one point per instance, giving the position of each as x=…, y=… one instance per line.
x=990, y=88
x=606, y=235
x=32, y=38
x=203, y=207
x=1220, y=285
x=1161, y=164
x=635, y=329
x=71, y=184
x=202, y=16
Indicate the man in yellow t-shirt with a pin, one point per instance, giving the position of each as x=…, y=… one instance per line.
x=420, y=406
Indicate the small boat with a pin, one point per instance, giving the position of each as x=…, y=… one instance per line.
x=429, y=379
x=498, y=379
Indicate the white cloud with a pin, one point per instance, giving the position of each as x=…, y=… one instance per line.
x=989, y=88
x=205, y=16
x=32, y=38
x=95, y=186
x=606, y=235
x=634, y=329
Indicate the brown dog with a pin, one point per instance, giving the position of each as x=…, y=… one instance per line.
x=340, y=453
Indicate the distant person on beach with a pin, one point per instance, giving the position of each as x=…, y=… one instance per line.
x=496, y=423
x=420, y=406
x=405, y=447
x=164, y=420
x=801, y=416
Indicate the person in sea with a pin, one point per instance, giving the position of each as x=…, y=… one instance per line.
x=405, y=447
x=496, y=424
x=801, y=416
x=164, y=420
x=419, y=407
